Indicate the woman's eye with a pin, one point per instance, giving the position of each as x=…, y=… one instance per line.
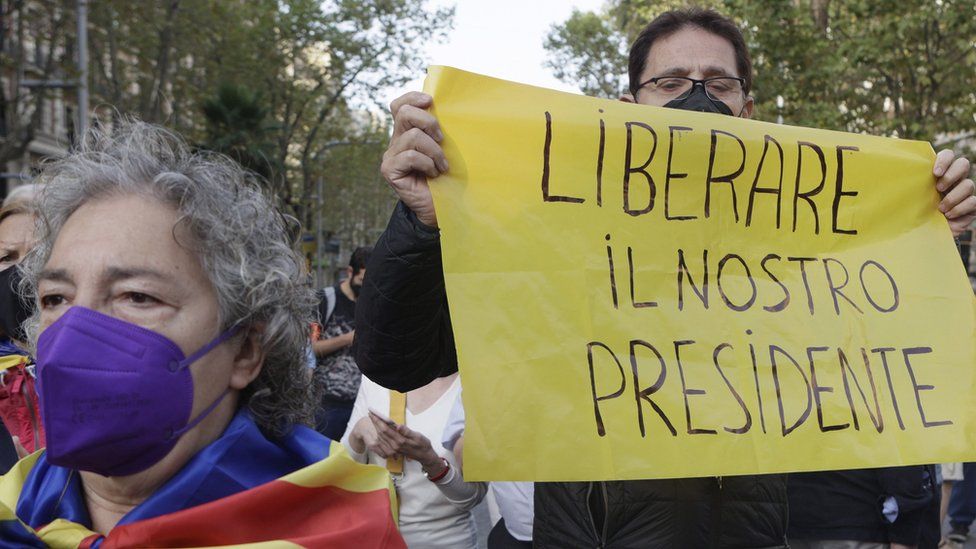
x=140, y=298
x=52, y=300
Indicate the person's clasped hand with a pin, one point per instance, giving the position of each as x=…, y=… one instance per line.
x=403, y=441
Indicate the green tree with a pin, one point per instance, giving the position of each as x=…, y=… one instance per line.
x=586, y=51
x=889, y=67
x=34, y=45
x=238, y=126
x=312, y=67
x=357, y=201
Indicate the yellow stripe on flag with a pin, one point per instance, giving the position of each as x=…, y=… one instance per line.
x=10, y=361
x=64, y=534
x=13, y=481
x=343, y=472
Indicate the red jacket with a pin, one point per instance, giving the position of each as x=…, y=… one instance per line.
x=19, y=407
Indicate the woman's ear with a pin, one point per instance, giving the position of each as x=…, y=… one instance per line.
x=249, y=359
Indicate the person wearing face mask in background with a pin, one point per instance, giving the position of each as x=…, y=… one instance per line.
x=336, y=372
x=690, y=59
x=19, y=410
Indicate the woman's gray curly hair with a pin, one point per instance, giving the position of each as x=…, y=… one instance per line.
x=239, y=236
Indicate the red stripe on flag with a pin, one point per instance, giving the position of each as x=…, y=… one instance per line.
x=312, y=517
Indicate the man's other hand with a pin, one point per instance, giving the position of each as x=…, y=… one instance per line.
x=953, y=182
x=414, y=154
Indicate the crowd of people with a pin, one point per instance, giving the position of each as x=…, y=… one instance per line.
x=169, y=377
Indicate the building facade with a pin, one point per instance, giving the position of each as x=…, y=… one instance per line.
x=37, y=112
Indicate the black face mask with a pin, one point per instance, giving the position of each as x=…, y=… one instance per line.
x=697, y=100
x=356, y=288
x=13, y=310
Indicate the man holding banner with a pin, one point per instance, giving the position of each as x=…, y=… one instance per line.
x=694, y=60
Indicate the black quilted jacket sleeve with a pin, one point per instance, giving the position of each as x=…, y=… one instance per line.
x=914, y=491
x=404, y=338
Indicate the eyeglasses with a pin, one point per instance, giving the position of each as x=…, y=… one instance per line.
x=719, y=88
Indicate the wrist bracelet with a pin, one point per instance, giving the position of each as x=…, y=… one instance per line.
x=442, y=474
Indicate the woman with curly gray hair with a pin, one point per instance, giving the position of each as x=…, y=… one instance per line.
x=170, y=339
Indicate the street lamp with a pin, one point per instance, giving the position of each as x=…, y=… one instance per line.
x=321, y=246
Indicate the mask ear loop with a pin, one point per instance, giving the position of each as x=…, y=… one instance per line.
x=199, y=418
x=175, y=365
x=178, y=365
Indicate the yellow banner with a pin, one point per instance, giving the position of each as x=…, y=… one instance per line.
x=640, y=292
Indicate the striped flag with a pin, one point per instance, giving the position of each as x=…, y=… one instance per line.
x=332, y=502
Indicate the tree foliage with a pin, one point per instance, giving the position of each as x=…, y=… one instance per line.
x=286, y=87
x=307, y=64
x=237, y=125
x=889, y=67
x=586, y=51
x=35, y=45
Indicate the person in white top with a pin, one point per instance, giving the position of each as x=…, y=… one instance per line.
x=435, y=502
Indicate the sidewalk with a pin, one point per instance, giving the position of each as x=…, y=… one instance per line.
x=970, y=543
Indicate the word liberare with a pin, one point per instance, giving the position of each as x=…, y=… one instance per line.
x=811, y=164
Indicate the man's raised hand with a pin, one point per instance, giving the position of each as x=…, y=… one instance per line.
x=953, y=182
x=414, y=154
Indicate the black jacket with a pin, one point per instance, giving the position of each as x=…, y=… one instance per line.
x=848, y=504
x=724, y=512
x=404, y=340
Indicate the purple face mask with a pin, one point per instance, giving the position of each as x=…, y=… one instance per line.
x=115, y=397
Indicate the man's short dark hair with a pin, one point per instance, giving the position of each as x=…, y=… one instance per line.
x=671, y=22
x=359, y=258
